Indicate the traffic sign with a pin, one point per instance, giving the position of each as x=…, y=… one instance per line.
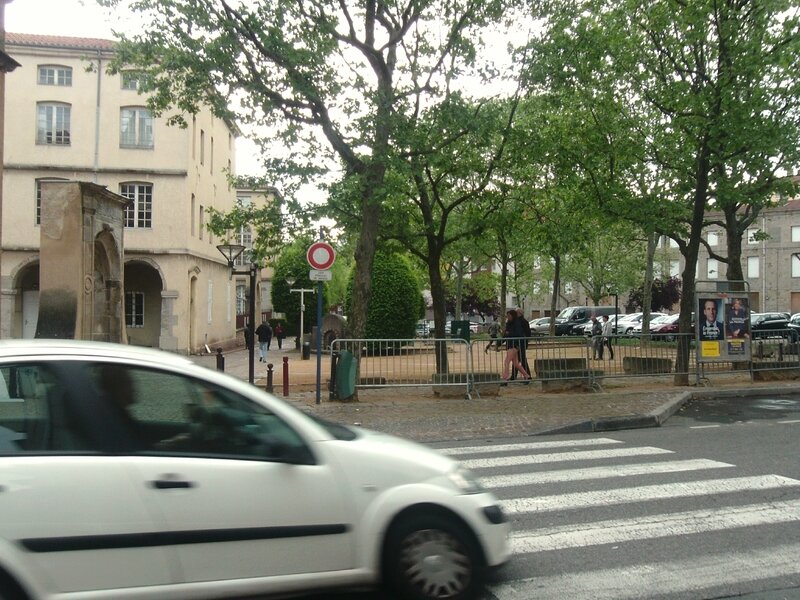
x=320, y=275
x=320, y=256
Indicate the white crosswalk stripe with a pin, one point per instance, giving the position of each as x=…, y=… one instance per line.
x=662, y=525
x=600, y=499
x=533, y=459
x=647, y=492
x=528, y=446
x=675, y=466
x=665, y=578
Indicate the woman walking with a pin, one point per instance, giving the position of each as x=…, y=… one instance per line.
x=514, y=335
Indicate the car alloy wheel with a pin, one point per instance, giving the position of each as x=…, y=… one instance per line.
x=429, y=557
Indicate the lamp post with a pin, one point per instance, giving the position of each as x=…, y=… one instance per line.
x=231, y=252
x=302, y=292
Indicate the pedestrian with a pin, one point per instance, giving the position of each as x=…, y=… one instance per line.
x=494, y=331
x=248, y=337
x=514, y=334
x=279, y=335
x=264, y=334
x=597, y=339
x=523, y=346
x=608, y=331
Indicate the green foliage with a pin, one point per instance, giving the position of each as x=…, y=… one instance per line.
x=394, y=309
x=479, y=295
x=292, y=263
x=665, y=295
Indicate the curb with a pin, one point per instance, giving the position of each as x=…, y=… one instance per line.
x=654, y=418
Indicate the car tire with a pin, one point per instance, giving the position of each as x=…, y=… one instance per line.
x=430, y=557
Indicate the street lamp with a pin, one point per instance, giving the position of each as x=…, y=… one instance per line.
x=231, y=252
x=291, y=281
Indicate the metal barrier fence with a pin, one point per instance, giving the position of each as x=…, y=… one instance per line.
x=409, y=362
x=413, y=362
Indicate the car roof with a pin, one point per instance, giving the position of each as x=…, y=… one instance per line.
x=93, y=350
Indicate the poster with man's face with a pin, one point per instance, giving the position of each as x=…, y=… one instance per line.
x=737, y=319
x=710, y=325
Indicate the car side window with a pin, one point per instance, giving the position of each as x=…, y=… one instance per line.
x=169, y=413
x=35, y=416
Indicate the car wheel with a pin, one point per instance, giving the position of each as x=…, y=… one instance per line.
x=429, y=557
x=629, y=331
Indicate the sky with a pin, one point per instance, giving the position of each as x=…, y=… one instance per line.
x=85, y=18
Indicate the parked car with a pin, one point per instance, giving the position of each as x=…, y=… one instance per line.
x=654, y=321
x=130, y=472
x=423, y=329
x=540, y=326
x=629, y=322
x=666, y=329
x=570, y=317
x=773, y=324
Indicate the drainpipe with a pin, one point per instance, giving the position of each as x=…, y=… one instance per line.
x=97, y=119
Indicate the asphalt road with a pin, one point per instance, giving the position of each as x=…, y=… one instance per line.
x=706, y=507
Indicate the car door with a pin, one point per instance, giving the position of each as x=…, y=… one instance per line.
x=241, y=492
x=69, y=513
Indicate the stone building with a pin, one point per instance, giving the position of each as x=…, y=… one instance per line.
x=68, y=119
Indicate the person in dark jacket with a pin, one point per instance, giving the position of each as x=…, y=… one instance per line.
x=514, y=333
x=279, y=333
x=523, y=345
x=264, y=334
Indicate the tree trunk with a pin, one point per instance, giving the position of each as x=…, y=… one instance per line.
x=647, y=289
x=554, y=297
x=439, y=307
x=733, y=239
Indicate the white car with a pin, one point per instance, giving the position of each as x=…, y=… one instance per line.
x=655, y=319
x=134, y=473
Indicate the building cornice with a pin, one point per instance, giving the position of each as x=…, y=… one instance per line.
x=106, y=170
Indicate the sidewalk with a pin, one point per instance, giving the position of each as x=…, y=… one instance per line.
x=516, y=410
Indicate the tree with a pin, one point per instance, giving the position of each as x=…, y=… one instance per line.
x=330, y=79
x=394, y=309
x=663, y=295
x=710, y=93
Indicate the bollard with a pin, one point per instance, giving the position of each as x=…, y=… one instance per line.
x=269, y=378
x=220, y=360
x=285, y=375
x=332, y=384
x=780, y=352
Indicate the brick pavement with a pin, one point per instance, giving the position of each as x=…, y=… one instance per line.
x=517, y=410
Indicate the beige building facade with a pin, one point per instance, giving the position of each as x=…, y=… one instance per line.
x=68, y=119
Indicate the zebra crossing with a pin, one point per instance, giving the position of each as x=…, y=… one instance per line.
x=599, y=518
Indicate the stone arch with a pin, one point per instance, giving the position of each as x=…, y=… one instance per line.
x=145, y=309
x=107, y=292
x=24, y=301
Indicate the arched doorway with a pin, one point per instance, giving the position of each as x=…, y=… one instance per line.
x=143, y=287
x=26, y=313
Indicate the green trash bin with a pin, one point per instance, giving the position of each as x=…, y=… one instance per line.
x=345, y=375
x=460, y=329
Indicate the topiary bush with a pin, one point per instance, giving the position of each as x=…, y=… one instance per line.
x=395, y=300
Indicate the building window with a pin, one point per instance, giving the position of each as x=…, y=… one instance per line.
x=795, y=266
x=753, y=264
x=713, y=268
x=246, y=240
x=202, y=147
x=796, y=234
x=241, y=299
x=751, y=236
x=134, y=309
x=191, y=218
x=55, y=75
x=39, y=183
x=201, y=221
x=713, y=238
x=138, y=213
x=53, y=123
x=131, y=80
x=135, y=128
x=674, y=268
x=211, y=157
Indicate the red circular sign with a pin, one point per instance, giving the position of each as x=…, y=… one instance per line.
x=320, y=256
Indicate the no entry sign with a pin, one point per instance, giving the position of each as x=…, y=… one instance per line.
x=320, y=256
